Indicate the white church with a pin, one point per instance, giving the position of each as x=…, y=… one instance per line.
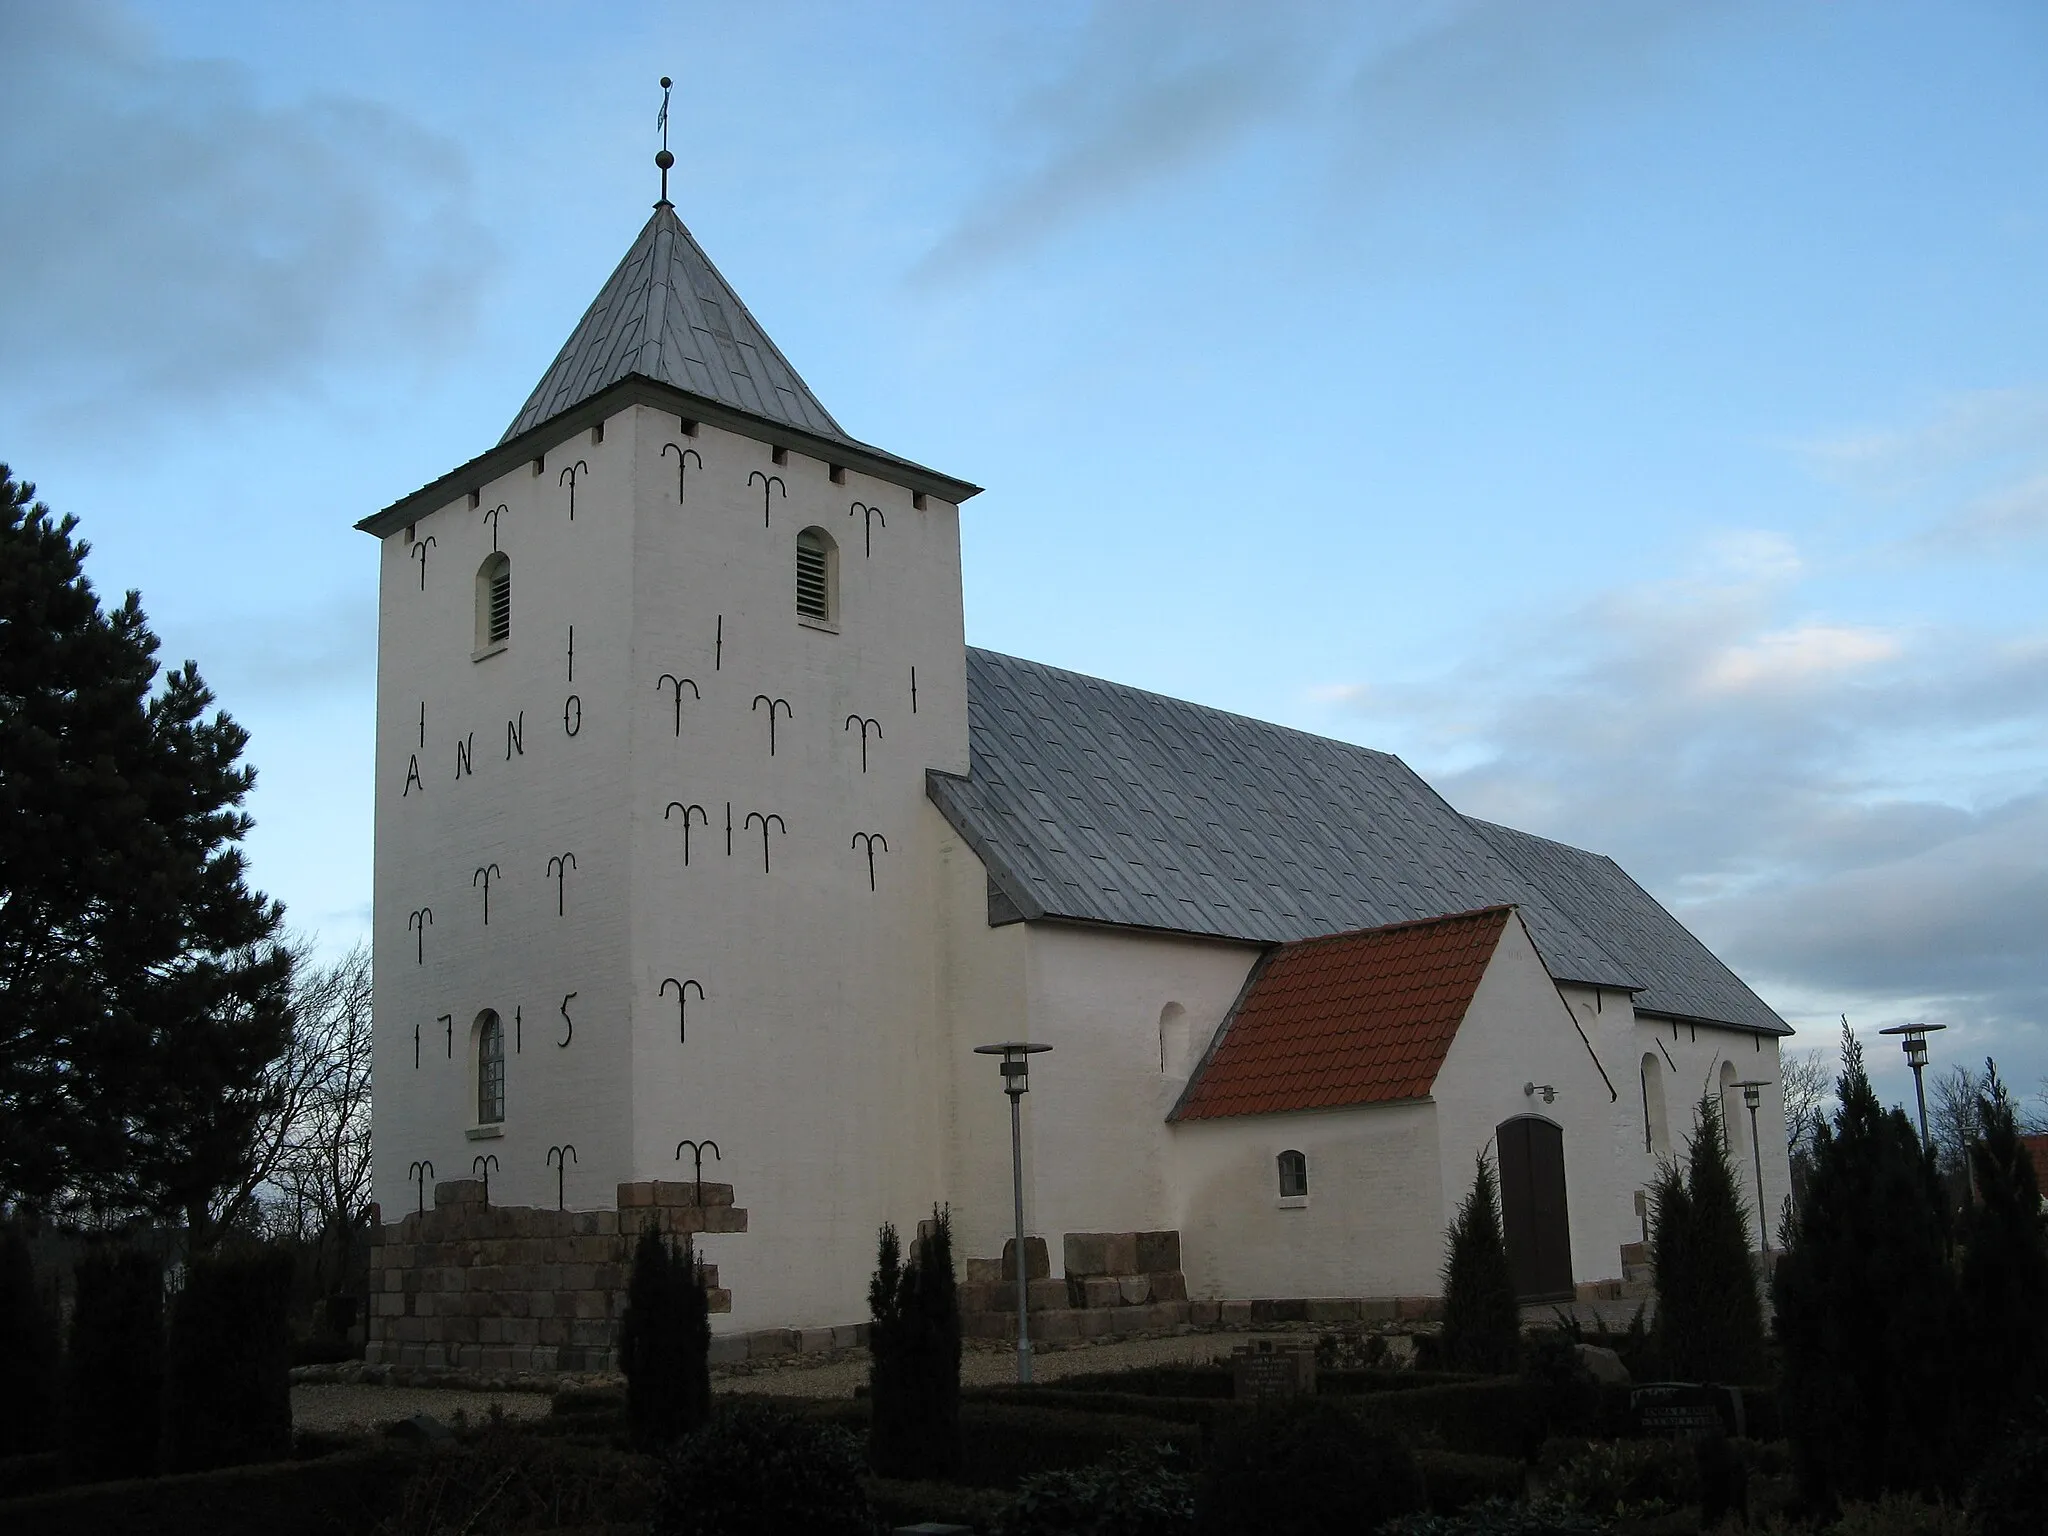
x=698, y=820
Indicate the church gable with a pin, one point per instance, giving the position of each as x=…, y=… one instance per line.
x=1357, y=1018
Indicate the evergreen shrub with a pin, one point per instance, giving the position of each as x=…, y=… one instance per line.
x=227, y=1386
x=665, y=1342
x=1140, y=1492
x=1303, y=1467
x=29, y=1352
x=2004, y=1275
x=1482, y=1328
x=755, y=1470
x=1709, y=1324
x=113, y=1366
x=914, y=1355
x=1864, y=1300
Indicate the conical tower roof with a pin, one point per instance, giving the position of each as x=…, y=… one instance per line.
x=667, y=315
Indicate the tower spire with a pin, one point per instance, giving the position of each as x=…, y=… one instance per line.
x=662, y=157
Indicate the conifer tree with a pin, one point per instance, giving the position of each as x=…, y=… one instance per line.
x=1482, y=1328
x=1864, y=1300
x=2004, y=1275
x=1709, y=1324
x=665, y=1342
x=914, y=1355
x=142, y=993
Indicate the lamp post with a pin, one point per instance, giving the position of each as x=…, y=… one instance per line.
x=1914, y=1042
x=1753, y=1095
x=1016, y=1069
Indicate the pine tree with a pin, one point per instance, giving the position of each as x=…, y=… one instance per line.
x=1864, y=1300
x=142, y=993
x=1482, y=1328
x=665, y=1342
x=2004, y=1275
x=1709, y=1324
x=914, y=1355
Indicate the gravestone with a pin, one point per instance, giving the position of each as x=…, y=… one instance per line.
x=1687, y=1409
x=1263, y=1370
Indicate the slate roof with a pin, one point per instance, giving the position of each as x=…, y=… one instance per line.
x=1678, y=975
x=1357, y=1018
x=1095, y=802
x=666, y=314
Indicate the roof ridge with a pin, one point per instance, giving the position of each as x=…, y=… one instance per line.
x=1175, y=699
x=1500, y=907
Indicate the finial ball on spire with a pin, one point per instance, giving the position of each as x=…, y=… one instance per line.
x=666, y=82
x=664, y=159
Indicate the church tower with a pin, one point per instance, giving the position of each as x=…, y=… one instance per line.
x=660, y=677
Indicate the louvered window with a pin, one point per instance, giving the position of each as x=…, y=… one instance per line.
x=490, y=1070
x=814, y=575
x=493, y=603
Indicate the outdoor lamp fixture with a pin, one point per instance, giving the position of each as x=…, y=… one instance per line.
x=1753, y=1095
x=1016, y=1067
x=1915, y=1045
x=1530, y=1090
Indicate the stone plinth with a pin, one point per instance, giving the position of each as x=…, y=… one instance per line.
x=490, y=1288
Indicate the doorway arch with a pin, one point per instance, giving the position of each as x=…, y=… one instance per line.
x=1535, y=1220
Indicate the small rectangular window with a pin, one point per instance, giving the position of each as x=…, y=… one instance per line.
x=501, y=606
x=813, y=598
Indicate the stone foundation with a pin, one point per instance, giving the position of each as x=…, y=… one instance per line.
x=472, y=1286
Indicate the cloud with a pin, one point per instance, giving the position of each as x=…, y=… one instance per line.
x=1767, y=774
x=1961, y=431
x=175, y=236
x=1145, y=90
x=1151, y=89
x=1795, y=657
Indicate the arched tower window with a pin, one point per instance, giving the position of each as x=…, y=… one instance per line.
x=490, y=1068
x=817, y=577
x=1293, y=1175
x=1656, y=1121
x=493, y=602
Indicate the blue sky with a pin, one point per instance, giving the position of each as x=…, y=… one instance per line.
x=1633, y=412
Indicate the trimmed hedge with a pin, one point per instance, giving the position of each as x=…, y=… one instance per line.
x=227, y=1380
x=113, y=1366
x=342, y=1495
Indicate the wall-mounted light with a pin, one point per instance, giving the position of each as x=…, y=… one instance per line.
x=1530, y=1090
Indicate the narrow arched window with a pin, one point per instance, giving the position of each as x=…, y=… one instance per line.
x=1656, y=1127
x=490, y=1068
x=493, y=602
x=1293, y=1175
x=817, y=577
x=1173, y=1038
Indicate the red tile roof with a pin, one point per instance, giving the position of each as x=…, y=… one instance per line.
x=2037, y=1149
x=1355, y=1018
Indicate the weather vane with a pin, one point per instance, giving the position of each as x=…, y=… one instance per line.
x=662, y=157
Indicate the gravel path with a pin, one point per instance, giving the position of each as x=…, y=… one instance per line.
x=360, y=1407
x=347, y=1409
x=984, y=1365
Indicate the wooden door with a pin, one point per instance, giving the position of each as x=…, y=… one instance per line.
x=1534, y=1218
